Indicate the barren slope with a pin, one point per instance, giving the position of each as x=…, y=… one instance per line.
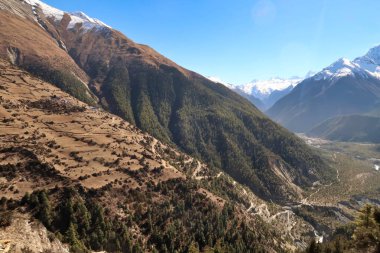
x=26, y=42
x=50, y=142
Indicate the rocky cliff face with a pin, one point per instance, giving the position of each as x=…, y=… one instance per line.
x=25, y=234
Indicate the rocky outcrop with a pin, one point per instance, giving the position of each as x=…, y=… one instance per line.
x=27, y=234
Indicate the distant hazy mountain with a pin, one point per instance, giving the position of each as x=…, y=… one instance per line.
x=269, y=91
x=263, y=88
x=276, y=95
x=263, y=93
x=343, y=88
x=254, y=100
x=358, y=128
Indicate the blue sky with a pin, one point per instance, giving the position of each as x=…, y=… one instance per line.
x=242, y=40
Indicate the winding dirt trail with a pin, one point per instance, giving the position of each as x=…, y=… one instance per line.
x=197, y=170
x=305, y=201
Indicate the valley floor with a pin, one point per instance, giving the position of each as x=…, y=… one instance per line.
x=357, y=182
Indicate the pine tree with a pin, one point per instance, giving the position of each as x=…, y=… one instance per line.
x=365, y=217
x=193, y=248
x=84, y=218
x=66, y=214
x=366, y=228
x=25, y=199
x=44, y=212
x=313, y=247
x=376, y=216
x=76, y=245
x=338, y=247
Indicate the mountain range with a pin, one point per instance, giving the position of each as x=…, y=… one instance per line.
x=108, y=146
x=269, y=91
x=111, y=146
x=102, y=67
x=263, y=93
x=342, y=89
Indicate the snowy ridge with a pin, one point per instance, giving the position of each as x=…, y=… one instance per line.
x=76, y=17
x=340, y=68
x=263, y=88
x=370, y=61
x=364, y=67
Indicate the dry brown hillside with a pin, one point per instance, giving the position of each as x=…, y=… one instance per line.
x=50, y=142
x=81, y=143
x=38, y=46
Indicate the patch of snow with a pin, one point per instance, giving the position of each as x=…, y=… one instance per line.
x=218, y=80
x=82, y=16
x=377, y=167
x=87, y=22
x=32, y=2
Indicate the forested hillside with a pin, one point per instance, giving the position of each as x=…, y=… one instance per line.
x=178, y=106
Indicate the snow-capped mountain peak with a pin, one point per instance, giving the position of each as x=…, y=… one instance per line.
x=373, y=55
x=263, y=88
x=87, y=22
x=370, y=61
x=341, y=63
x=364, y=67
x=340, y=68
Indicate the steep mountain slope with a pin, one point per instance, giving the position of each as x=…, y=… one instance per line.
x=254, y=100
x=177, y=106
x=96, y=182
x=26, y=43
x=358, y=128
x=276, y=95
x=345, y=87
